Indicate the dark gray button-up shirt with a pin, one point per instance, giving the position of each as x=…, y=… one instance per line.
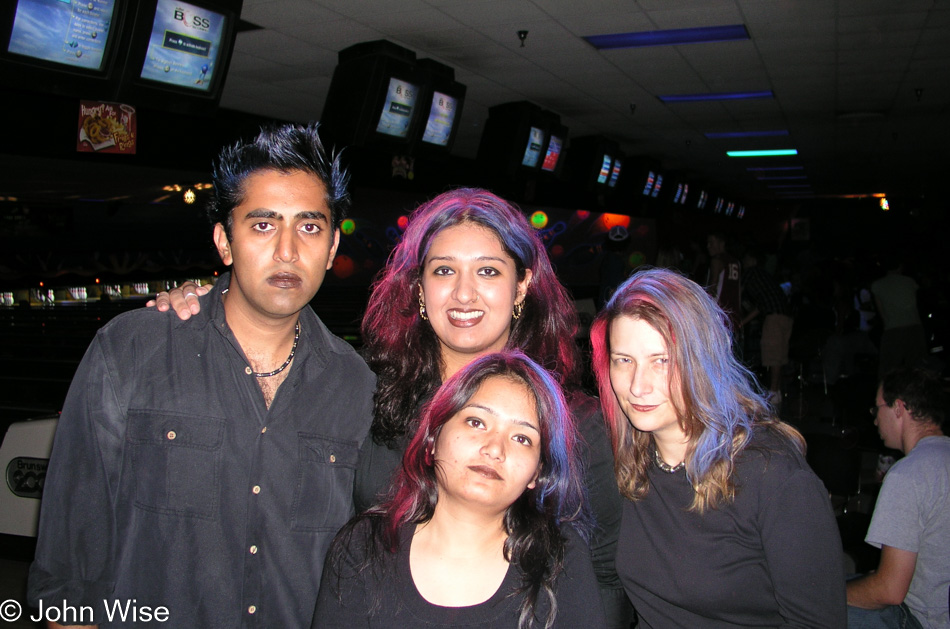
x=171, y=482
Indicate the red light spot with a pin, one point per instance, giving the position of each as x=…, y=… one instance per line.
x=402, y=222
x=606, y=221
x=343, y=266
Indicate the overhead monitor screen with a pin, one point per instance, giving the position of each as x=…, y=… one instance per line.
x=185, y=44
x=552, y=154
x=71, y=33
x=532, y=152
x=604, y=169
x=441, y=118
x=614, y=174
x=649, y=184
x=397, y=110
x=657, y=186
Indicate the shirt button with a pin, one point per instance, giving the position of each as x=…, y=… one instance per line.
x=263, y=430
x=256, y=489
x=332, y=458
x=171, y=434
x=252, y=609
x=248, y=371
x=253, y=550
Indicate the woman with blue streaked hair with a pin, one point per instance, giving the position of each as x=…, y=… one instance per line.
x=480, y=529
x=724, y=524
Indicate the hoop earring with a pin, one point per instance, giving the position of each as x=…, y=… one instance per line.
x=422, y=308
x=519, y=308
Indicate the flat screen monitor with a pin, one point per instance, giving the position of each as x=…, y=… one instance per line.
x=718, y=207
x=441, y=119
x=532, y=152
x=553, y=154
x=701, y=201
x=604, y=169
x=396, y=115
x=73, y=34
x=614, y=173
x=679, y=193
x=730, y=208
x=685, y=194
x=651, y=177
x=657, y=186
x=185, y=45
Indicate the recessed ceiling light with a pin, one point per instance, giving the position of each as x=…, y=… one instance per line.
x=746, y=134
x=766, y=153
x=673, y=37
x=691, y=98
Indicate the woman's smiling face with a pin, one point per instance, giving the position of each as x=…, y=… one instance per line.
x=470, y=286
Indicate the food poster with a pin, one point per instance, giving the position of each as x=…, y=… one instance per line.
x=106, y=128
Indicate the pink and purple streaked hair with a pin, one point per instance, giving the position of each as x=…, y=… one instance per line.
x=402, y=348
x=558, y=494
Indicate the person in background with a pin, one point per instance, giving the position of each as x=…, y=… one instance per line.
x=724, y=523
x=911, y=521
x=903, y=342
x=724, y=282
x=468, y=278
x=201, y=468
x=769, y=301
x=479, y=531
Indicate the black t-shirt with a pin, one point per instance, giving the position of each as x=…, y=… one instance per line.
x=770, y=558
x=387, y=598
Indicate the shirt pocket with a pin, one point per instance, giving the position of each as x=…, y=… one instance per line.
x=176, y=463
x=326, y=469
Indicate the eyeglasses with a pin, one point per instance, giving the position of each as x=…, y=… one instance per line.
x=873, y=409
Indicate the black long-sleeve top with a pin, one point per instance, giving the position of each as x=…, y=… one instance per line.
x=770, y=558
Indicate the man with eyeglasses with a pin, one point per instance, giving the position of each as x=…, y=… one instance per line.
x=911, y=521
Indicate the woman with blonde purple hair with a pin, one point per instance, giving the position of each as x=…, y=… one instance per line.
x=724, y=524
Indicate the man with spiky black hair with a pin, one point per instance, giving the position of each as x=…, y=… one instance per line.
x=202, y=467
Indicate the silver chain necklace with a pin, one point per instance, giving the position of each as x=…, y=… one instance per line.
x=663, y=465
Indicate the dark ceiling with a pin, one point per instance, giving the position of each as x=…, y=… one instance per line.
x=862, y=87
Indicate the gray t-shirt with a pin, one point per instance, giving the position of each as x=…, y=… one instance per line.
x=913, y=513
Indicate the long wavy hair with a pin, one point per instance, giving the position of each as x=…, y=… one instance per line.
x=719, y=404
x=534, y=543
x=402, y=348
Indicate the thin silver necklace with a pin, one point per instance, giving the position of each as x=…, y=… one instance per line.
x=293, y=350
x=663, y=465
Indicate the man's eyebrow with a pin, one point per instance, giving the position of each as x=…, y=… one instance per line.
x=262, y=213
x=313, y=215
